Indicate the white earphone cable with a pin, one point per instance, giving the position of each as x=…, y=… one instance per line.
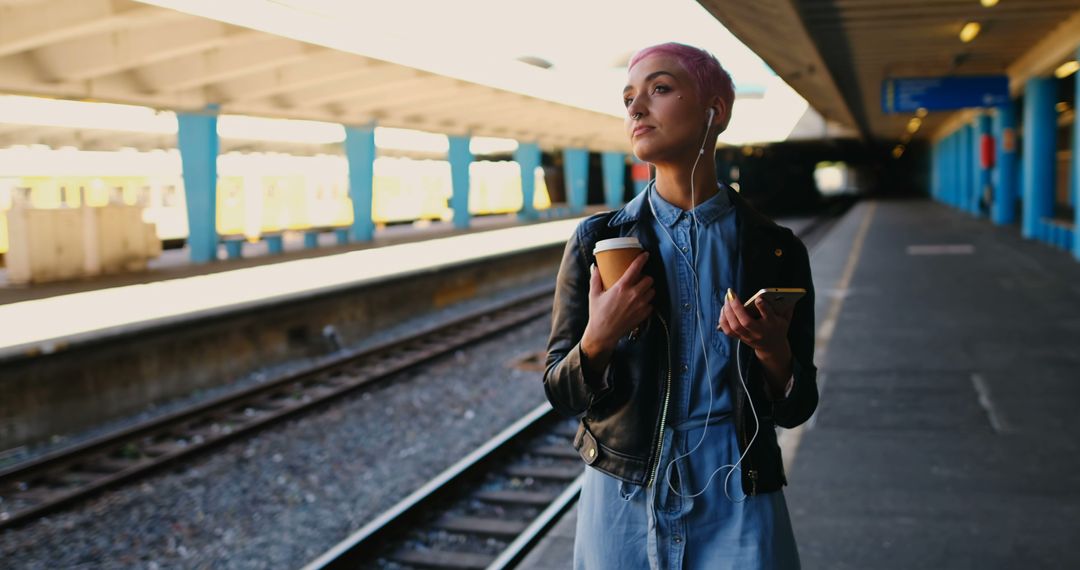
x=701, y=338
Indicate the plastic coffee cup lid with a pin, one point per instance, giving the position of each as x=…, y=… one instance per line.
x=616, y=243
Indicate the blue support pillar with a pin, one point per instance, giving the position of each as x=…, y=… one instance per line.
x=639, y=173
x=1040, y=126
x=614, y=164
x=527, y=156
x=935, y=170
x=958, y=166
x=983, y=189
x=947, y=169
x=1075, y=158
x=198, y=140
x=576, y=175
x=360, y=152
x=460, y=159
x=969, y=168
x=1004, y=208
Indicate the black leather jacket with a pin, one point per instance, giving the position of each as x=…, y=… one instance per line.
x=623, y=410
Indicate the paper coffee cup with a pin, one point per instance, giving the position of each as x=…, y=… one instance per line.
x=613, y=256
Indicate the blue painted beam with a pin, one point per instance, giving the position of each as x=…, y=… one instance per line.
x=1040, y=126
x=198, y=141
x=360, y=152
x=1004, y=209
x=460, y=158
x=576, y=175
x=527, y=156
x=614, y=165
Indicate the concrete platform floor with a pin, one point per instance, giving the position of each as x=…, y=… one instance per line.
x=948, y=382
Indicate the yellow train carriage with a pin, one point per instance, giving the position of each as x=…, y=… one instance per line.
x=304, y=192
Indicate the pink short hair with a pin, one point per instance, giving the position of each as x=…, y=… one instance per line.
x=702, y=66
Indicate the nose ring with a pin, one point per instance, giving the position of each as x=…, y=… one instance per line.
x=635, y=116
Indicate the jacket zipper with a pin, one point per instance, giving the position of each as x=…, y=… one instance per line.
x=750, y=471
x=663, y=411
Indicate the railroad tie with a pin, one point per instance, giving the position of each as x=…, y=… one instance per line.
x=481, y=526
x=555, y=451
x=443, y=559
x=509, y=497
x=550, y=472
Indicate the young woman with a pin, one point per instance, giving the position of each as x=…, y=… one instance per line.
x=677, y=386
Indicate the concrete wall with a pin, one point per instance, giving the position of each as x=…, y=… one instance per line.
x=82, y=387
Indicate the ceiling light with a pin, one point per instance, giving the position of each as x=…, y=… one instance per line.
x=1066, y=69
x=898, y=151
x=914, y=124
x=969, y=31
x=920, y=112
x=535, y=61
x=989, y=3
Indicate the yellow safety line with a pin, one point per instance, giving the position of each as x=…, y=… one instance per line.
x=790, y=438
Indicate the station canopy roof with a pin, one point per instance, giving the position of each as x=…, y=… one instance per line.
x=836, y=53
x=332, y=61
x=121, y=51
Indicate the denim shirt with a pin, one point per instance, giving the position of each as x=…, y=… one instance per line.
x=714, y=241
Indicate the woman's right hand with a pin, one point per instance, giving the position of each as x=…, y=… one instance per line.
x=614, y=312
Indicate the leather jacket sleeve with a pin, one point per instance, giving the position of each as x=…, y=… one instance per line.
x=800, y=404
x=569, y=386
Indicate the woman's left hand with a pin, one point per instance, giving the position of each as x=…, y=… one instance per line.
x=767, y=335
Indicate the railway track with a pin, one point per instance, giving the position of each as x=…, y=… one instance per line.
x=486, y=511
x=37, y=487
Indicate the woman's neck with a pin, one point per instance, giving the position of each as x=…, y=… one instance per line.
x=673, y=182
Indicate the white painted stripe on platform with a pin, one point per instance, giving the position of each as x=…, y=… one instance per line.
x=942, y=249
x=983, y=393
x=789, y=439
x=47, y=325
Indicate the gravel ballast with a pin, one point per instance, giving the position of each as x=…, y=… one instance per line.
x=281, y=498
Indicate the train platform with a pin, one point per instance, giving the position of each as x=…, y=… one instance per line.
x=948, y=353
x=60, y=322
x=176, y=263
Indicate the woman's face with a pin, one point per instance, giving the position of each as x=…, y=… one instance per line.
x=672, y=118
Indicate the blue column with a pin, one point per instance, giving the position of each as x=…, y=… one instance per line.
x=198, y=141
x=576, y=175
x=1040, y=124
x=614, y=164
x=935, y=171
x=527, y=156
x=947, y=169
x=360, y=152
x=954, y=168
x=982, y=126
x=1075, y=158
x=1004, y=208
x=460, y=159
x=967, y=158
x=639, y=172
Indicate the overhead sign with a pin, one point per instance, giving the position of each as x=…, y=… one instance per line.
x=908, y=94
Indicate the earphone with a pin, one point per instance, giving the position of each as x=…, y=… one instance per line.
x=701, y=338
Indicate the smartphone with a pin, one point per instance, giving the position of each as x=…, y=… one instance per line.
x=779, y=299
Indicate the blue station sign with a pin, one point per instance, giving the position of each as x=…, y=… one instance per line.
x=907, y=94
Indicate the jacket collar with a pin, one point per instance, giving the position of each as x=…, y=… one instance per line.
x=634, y=209
x=756, y=234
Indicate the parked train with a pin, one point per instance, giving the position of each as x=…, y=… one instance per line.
x=256, y=192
